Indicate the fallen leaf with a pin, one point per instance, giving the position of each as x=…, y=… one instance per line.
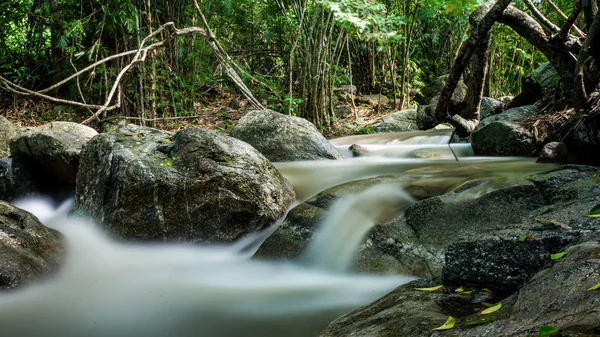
x=486, y=304
x=138, y=143
x=486, y=290
x=448, y=325
x=546, y=210
x=596, y=287
x=595, y=211
x=459, y=290
x=480, y=321
x=546, y=330
x=557, y=255
x=491, y=309
x=469, y=292
x=522, y=238
x=429, y=289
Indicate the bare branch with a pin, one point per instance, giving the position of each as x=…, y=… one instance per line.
x=564, y=16
x=541, y=18
x=570, y=22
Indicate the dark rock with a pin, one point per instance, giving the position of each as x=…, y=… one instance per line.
x=426, y=117
x=499, y=263
x=8, y=130
x=46, y=158
x=583, y=140
x=554, y=152
x=489, y=107
x=281, y=137
x=546, y=75
x=6, y=180
x=28, y=250
x=346, y=88
x=567, y=183
x=502, y=138
x=342, y=111
x=405, y=120
x=196, y=185
x=531, y=92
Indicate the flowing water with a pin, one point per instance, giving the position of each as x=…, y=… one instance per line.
x=113, y=289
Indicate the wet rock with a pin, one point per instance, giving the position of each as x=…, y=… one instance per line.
x=500, y=263
x=6, y=181
x=489, y=107
x=502, y=138
x=46, y=158
x=358, y=151
x=195, y=185
x=28, y=250
x=567, y=183
x=281, y=137
x=554, y=152
x=511, y=115
x=405, y=120
x=373, y=100
x=8, y=130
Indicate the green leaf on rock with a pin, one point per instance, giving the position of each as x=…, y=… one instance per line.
x=491, y=309
x=480, y=321
x=596, y=287
x=595, y=212
x=430, y=289
x=546, y=330
x=522, y=238
x=487, y=305
x=557, y=255
x=448, y=325
x=460, y=290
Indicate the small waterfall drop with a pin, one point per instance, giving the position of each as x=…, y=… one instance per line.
x=333, y=247
x=112, y=289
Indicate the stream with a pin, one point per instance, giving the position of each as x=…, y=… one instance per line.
x=113, y=289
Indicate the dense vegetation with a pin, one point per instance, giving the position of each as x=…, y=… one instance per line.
x=291, y=54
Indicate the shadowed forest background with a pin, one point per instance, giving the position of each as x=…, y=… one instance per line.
x=292, y=55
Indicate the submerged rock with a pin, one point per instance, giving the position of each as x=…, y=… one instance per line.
x=195, y=185
x=8, y=130
x=281, y=137
x=46, y=158
x=28, y=250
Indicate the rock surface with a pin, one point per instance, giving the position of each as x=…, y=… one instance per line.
x=405, y=120
x=8, y=130
x=6, y=181
x=534, y=290
x=511, y=115
x=46, y=158
x=430, y=92
x=195, y=185
x=503, y=138
x=281, y=137
x=28, y=250
x=489, y=107
x=554, y=152
x=373, y=100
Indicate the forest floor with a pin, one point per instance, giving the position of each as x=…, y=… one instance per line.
x=221, y=114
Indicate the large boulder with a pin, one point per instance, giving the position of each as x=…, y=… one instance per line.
x=546, y=75
x=46, y=158
x=28, y=250
x=405, y=120
x=489, y=107
x=503, y=138
x=511, y=115
x=196, y=185
x=8, y=130
x=281, y=137
x=373, y=100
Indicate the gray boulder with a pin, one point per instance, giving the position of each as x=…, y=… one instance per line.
x=195, y=185
x=554, y=152
x=28, y=250
x=405, y=120
x=503, y=138
x=511, y=115
x=546, y=75
x=46, y=158
x=281, y=137
x=8, y=130
x=489, y=107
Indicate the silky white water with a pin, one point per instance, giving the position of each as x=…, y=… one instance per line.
x=112, y=289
